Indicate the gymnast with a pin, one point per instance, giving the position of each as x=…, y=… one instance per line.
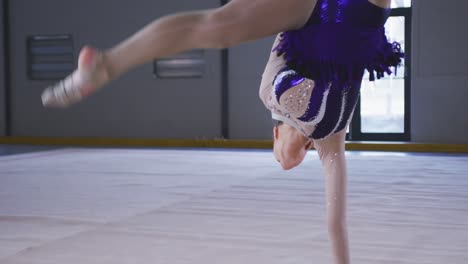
x=310, y=84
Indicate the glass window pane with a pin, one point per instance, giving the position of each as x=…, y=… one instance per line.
x=383, y=106
x=383, y=101
x=401, y=3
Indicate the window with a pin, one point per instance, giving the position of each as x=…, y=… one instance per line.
x=383, y=111
x=401, y=3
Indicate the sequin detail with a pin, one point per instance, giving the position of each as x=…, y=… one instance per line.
x=298, y=99
x=317, y=105
x=342, y=110
x=325, y=106
x=284, y=80
x=341, y=102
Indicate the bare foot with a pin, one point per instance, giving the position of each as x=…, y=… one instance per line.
x=90, y=76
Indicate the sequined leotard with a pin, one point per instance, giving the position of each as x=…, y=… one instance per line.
x=318, y=86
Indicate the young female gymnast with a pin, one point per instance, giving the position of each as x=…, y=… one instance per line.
x=311, y=82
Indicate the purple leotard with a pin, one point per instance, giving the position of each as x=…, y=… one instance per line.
x=341, y=40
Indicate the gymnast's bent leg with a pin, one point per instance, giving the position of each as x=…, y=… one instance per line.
x=331, y=151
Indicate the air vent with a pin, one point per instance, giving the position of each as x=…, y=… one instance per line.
x=189, y=64
x=50, y=57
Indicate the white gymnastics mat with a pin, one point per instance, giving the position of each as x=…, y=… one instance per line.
x=115, y=206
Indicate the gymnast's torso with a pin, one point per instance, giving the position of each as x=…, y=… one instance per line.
x=313, y=77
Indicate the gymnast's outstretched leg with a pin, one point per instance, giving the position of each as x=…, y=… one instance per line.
x=236, y=22
x=332, y=154
x=160, y=38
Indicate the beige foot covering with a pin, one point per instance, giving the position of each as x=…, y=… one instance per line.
x=89, y=76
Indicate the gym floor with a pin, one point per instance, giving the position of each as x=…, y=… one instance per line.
x=95, y=205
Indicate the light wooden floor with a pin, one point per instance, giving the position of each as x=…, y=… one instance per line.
x=167, y=206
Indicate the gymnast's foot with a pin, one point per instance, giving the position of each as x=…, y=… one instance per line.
x=92, y=74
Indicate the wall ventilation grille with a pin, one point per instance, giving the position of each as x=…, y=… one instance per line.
x=189, y=64
x=50, y=57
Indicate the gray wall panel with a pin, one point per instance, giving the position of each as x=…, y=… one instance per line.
x=2, y=77
x=248, y=118
x=137, y=105
x=441, y=42
x=440, y=72
x=439, y=110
